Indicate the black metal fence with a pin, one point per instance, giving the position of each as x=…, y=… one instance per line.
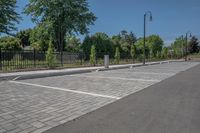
x=30, y=59
x=12, y=60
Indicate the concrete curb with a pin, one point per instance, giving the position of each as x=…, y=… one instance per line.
x=50, y=73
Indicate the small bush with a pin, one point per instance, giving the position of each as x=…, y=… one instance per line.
x=117, y=55
x=50, y=56
x=133, y=52
x=93, y=55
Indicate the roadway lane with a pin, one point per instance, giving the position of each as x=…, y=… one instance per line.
x=171, y=106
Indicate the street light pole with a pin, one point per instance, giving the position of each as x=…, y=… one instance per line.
x=144, y=45
x=186, y=46
x=144, y=52
x=182, y=48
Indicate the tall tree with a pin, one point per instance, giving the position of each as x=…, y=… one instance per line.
x=10, y=43
x=155, y=44
x=193, y=46
x=72, y=44
x=140, y=48
x=102, y=42
x=39, y=37
x=65, y=16
x=24, y=37
x=126, y=39
x=116, y=40
x=178, y=47
x=131, y=38
x=8, y=16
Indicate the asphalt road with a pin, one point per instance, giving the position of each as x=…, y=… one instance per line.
x=171, y=106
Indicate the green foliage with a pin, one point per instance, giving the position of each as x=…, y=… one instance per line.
x=40, y=37
x=140, y=48
x=193, y=46
x=65, y=17
x=178, y=43
x=128, y=37
x=178, y=46
x=50, y=56
x=116, y=39
x=140, y=43
x=165, y=53
x=153, y=47
x=155, y=44
x=72, y=44
x=124, y=41
x=93, y=55
x=133, y=52
x=158, y=55
x=117, y=55
x=102, y=42
x=10, y=43
x=86, y=46
x=8, y=16
x=24, y=37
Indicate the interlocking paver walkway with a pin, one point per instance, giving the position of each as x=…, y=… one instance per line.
x=36, y=105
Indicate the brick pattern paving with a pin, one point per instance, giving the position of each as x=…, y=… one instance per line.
x=27, y=109
x=23, y=108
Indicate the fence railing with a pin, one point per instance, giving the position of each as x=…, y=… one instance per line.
x=30, y=59
x=12, y=60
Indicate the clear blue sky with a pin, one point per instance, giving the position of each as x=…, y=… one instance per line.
x=171, y=18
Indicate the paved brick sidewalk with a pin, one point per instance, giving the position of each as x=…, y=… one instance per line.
x=47, y=73
x=171, y=106
x=36, y=105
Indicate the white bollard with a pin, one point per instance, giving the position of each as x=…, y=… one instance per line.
x=106, y=61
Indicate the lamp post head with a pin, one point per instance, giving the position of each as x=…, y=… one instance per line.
x=151, y=18
x=189, y=33
x=150, y=15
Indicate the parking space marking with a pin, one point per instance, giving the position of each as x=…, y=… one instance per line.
x=131, y=72
x=127, y=79
x=67, y=90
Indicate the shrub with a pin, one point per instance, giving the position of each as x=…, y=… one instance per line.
x=93, y=55
x=133, y=52
x=165, y=53
x=117, y=55
x=10, y=43
x=50, y=56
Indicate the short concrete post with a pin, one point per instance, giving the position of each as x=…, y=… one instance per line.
x=106, y=61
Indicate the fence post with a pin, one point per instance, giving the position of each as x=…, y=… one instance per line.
x=34, y=57
x=0, y=60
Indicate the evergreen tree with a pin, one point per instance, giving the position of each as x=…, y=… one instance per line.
x=93, y=55
x=8, y=16
x=133, y=52
x=50, y=56
x=193, y=46
x=117, y=55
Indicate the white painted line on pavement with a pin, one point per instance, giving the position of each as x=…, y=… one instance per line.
x=67, y=90
x=118, y=78
x=16, y=78
x=132, y=72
